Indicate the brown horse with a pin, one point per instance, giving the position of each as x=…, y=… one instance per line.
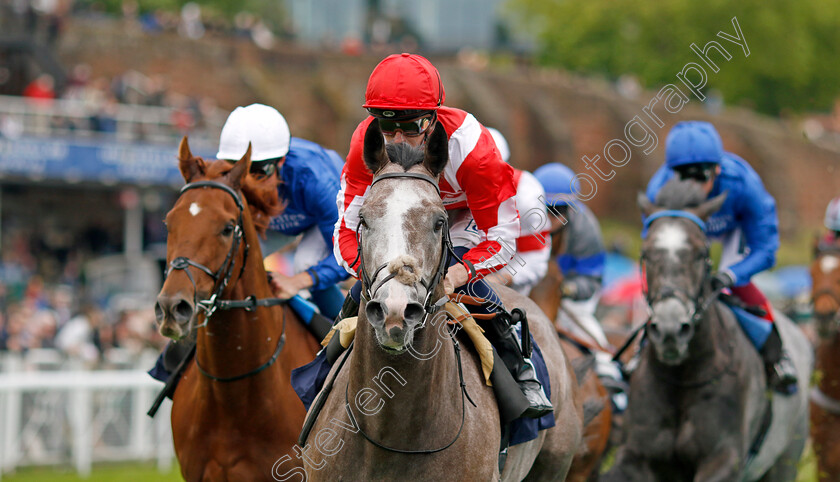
x=403, y=406
x=825, y=397
x=234, y=408
x=596, y=434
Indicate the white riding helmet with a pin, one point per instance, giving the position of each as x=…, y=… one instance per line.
x=832, y=215
x=259, y=124
x=501, y=144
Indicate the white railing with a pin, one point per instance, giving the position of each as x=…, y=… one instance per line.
x=73, y=118
x=80, y=417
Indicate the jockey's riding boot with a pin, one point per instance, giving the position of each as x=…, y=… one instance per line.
x=508, y=345
x=781, y=372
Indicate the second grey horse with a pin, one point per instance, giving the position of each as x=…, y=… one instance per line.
x=698, y=400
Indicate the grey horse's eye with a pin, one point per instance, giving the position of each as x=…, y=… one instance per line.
x=438, y=225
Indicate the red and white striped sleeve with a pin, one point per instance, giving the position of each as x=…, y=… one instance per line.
x=355, y=183
x=488, y=184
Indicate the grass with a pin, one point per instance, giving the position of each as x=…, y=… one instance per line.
x=129, y=472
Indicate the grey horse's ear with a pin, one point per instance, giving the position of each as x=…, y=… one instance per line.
x=374, y=150
x=645, y=205
x=710, y=207
x=437, y=150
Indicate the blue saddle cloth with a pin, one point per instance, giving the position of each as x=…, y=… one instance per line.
x=756, y=328
x=308, y=380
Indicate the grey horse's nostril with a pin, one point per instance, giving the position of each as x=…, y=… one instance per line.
x=685, y=328
x=375, y=312
x=414, y=312
x=654, y=328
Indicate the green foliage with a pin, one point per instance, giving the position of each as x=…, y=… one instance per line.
x=794, y=46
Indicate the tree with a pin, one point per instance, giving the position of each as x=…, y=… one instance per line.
x=794, y=46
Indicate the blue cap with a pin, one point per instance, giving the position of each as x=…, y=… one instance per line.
x=693, y=142
x=559, y=183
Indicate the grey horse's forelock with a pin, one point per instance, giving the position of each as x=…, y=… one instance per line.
x=404, y=154
x=679, y=194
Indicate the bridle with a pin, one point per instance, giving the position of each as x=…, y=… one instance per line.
x=369, y=289
x=221, y=279
x=834, y=250
x=826, y=402
x=699, y=303
x=226, y=269
x=429, y=307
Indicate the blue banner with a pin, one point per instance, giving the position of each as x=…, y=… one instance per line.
x=108, y=162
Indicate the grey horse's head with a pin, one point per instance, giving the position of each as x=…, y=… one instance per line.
x=402, y=229
x=675, y=261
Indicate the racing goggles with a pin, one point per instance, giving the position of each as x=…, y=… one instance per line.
x=699, y=172
x=262, y=168
x=409, y=128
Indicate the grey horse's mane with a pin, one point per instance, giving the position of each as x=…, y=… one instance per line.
x=679, y=194
x=404, y=154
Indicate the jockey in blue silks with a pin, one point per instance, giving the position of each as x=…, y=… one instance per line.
x=746, y=225
x=307, y=184
x=582, y=263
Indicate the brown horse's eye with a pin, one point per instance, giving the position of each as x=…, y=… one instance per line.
x=228, y=229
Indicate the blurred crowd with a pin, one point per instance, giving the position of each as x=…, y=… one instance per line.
x=42, y=307
x=93, y=103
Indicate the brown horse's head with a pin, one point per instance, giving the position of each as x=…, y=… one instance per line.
x=403, y=224
x=208, y=229
x=825, y=273
x=675, y=257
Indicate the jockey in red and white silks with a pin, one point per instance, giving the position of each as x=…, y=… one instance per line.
x=477, y=188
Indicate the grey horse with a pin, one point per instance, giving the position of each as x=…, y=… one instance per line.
x=400, y=408
x=699, y=407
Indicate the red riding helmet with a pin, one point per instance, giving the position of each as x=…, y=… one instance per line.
x=403, y=82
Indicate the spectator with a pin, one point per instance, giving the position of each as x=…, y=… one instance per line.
x=41, y=89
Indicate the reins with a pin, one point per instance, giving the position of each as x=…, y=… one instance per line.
x=701, y=303
x=429, y=307
x=464, y=397
x=222, y=277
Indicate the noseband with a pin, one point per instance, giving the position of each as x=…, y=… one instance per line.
x=368, y=288
x=224, y=273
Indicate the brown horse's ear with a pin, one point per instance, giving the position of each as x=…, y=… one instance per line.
x=240, y=170
x=374, y=151
x=710, y=207
x=191, y=167
x=437, y=151
x=645, y=205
